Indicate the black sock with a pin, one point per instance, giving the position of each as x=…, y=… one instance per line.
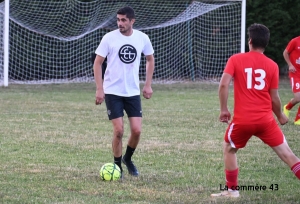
x=118, y=162
x=129, y=153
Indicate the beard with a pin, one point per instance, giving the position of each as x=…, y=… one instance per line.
x=123, y=30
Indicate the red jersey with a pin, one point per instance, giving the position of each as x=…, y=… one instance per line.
x=254, y=75
x=293, y=49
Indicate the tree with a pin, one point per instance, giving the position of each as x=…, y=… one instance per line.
x=281, y=17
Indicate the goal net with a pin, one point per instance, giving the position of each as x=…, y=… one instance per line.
x=52, y=41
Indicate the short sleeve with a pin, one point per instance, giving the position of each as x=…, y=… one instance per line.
x=290, y=46
x=229, y=68
x=102, y=49
x=148, y=49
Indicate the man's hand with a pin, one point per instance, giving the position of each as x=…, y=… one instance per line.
x=292, y=68
x=283, y=119
x=99, y=96
x=225, y=116
x=147, y=92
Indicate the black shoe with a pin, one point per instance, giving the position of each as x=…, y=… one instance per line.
x=131, y=167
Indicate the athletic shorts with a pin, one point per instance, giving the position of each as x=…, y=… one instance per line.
x=116, y=105
x=295, y=83
x=239, y=134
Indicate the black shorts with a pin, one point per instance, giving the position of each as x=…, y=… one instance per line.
x=116, y=105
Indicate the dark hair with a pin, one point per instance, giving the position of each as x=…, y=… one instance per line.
x=128, y=11
x=259, y=34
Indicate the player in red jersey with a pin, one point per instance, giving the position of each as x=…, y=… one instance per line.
x=291, y=55
x=256, y=79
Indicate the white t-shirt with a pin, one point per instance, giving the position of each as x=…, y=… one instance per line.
x=123, y=54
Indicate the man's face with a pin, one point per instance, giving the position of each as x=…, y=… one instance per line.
x=124, y=24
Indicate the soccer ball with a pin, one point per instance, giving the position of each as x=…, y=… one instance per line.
x=110, y=172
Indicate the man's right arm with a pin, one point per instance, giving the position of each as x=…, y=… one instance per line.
x=286, y=57
x=98, y=79
x=225, y=115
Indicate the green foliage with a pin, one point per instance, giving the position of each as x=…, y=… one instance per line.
x=281, y=17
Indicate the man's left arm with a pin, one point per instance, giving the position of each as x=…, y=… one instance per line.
x=276, y=107
x=147, y=90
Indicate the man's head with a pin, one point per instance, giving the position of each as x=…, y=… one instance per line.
x=127, y=11
x=125, y=20
x=259, y=36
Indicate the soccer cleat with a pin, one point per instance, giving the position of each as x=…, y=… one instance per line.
x=286, y=112
x=228, y=194
x=297, y=122
x=131, y=167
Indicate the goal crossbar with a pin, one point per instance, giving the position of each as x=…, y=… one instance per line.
x=52, y=41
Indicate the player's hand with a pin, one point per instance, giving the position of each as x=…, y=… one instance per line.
x=99, y=97
x=225, y=116
x=147, y=92
x=292, y=68
x=283, y=119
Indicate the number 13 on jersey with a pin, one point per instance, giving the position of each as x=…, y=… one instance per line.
x=259, y=80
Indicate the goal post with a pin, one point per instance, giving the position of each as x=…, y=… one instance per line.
x=52, y=41
x=6, y=43
x=243, y=26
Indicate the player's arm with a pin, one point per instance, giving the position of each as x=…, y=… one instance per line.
x=147, y=90
x=223, y=97
x=276, y=106
x=98, y=79
x=149, y=69
x=286, y=57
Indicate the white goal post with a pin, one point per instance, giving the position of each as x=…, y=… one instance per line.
x=5, y=44
x=52, y=41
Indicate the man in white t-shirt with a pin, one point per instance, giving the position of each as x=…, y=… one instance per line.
x=120, y=87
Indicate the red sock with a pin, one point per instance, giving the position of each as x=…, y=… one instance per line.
x=298, y=114
x=232, y=178
x=289, y=106
x=296, y=170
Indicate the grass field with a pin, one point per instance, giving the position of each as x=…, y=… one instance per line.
x=53, y=141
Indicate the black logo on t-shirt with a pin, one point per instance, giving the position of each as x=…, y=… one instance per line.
x=127, y=54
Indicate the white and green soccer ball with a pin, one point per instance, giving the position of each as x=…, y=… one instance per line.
x=110, y=172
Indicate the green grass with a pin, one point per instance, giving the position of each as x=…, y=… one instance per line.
x=53, y=141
